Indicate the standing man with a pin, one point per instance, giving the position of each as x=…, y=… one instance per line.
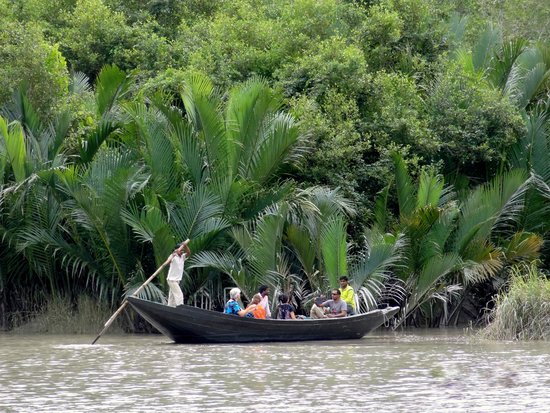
x=264, y=292
x=338, y=307
x=175, y=273
x=348, y=294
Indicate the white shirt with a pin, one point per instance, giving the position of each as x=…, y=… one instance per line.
x=175, y=273
x=265, y=304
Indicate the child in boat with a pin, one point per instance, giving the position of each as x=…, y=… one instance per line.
x=285, y=310
x=259, y=311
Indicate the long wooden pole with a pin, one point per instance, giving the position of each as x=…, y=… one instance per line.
x=125, y=303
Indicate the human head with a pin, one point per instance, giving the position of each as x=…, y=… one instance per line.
x=320, y=300
x=263, y=290
x=343, y=281
x=256, y=299
x=335, y=294
x=283, y=298
x=234, y=293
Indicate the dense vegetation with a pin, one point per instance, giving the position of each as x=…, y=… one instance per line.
x=523, y=312
x=401, y=142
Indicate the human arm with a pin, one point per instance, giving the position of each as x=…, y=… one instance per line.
x=168, y=259
x=342, y=313
x=232, y=307
x=184, y=247
x=249, y=309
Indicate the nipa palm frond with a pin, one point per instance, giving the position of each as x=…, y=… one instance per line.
x=334, y=249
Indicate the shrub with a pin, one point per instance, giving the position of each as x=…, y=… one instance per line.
x=27, y=59
x=473, y=122
x=523, y=312
x=61, y=317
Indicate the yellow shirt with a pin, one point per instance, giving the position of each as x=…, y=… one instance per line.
x=348, y=295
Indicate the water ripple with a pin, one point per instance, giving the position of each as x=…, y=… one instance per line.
x=401, y=372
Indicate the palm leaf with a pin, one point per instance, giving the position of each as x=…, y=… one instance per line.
x=303, y=248
x=381, y=208
x=199, y=218
x=334, y=249
x=430, y=190
x=248, y=107
x=485, y=47
x=111, y=85
x=16, y=152
x=190, y=152
x=502, y=73
x=203, y=107
x=92, y=142
x=496, y=205
x=433, y=271
x=404, y=186
x=80, y=83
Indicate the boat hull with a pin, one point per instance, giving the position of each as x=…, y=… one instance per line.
x=186, y=324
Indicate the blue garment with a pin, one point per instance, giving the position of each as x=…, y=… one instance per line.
x=232, y=307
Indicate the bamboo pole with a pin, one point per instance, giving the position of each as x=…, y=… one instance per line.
x=125, y=303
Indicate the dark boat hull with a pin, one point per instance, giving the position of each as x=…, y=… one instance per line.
x=186, y=324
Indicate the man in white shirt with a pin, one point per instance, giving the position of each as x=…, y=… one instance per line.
x=264, y=292
x=175, y=273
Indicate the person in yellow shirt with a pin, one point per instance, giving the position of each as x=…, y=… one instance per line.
x=348, y=294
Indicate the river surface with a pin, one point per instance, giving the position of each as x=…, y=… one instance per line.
x=411, y=371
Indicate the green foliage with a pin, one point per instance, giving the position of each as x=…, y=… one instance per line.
x=402, y=34
x=27, y=59
x=452, y=245
x=519, y=18
x=93, y=36
x=522, y=312
x=474, y=124
x=333, y=66
x=396, y=114
x=210, y=120
x=14, y=153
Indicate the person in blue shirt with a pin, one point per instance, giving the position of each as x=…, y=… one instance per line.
x=232, y=306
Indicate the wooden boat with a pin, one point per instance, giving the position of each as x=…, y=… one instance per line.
x=186, y=324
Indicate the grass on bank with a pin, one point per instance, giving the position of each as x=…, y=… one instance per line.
x=522, y=312
x=60, y=316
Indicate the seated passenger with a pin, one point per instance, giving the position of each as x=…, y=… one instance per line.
x=348, y=294
x=285, y=310
x=338, y=307
x=316, y=311
x=259, y=311
x=233, y=307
